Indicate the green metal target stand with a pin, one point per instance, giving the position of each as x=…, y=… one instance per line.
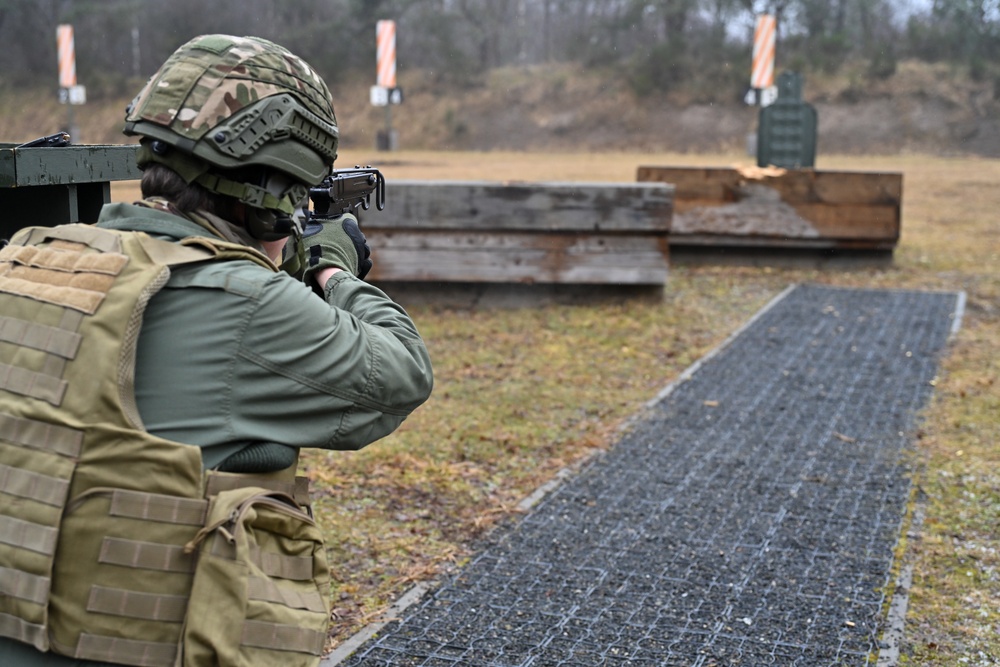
x=52, y=185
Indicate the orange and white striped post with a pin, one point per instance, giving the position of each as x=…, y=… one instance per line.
x=67, y=56
x=764, y=39
x=69, y=92
x=385, y=43
x=384, y=92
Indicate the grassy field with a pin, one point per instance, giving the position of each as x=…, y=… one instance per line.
x=521, y=394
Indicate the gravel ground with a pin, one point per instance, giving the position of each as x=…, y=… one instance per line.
x=748, y=517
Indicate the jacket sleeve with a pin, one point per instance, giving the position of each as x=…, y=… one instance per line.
x=336, y=375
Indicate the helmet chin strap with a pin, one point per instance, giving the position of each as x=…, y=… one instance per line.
x=270, y=209
x=271, y=206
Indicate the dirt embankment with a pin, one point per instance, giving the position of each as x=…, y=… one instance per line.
x=922, y=109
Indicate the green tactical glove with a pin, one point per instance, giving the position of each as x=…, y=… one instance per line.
x=336, y=243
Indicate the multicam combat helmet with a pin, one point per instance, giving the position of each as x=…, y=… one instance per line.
x=222, y=103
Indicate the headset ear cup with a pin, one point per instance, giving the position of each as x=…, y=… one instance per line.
x=266, y=224
x=261, y=224
x=283, y=226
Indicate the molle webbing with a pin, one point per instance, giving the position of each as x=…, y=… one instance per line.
x=126, y=651
x=28, y=535
x=66, y=279
x=60, y=273
x=54, y=340
x=65, y=442
x=139, y=555
x=38, y=463
x=95, y=512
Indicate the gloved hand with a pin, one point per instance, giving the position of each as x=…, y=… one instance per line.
x=336, y=243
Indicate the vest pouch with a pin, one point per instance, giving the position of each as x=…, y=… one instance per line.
x=122, y=580
x=261, y=589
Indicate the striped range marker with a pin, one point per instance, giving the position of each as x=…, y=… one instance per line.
x=762, y=75
x=67, y=56
x=385, y=42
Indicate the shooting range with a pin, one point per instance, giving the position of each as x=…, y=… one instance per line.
x=563, y=234
x=544, y=233
x=707, y=390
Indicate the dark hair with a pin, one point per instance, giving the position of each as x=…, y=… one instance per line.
x=161, y=181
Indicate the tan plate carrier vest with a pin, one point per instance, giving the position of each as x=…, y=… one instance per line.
x=115, y=546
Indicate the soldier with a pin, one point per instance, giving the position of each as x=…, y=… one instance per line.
x=159, y=374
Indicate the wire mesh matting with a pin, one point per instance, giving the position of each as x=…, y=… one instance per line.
x=748, y=519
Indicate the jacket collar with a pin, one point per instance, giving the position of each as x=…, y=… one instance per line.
x=158, y=217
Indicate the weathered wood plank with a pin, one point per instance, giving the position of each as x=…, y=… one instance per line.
x=582, y=207
x=839, y=188
x=825, y=208
x=784, y=243
x=723, y=184
x=774, y=219
x=517, y=257
x=853, y=221
x=491, y=232
x=714, y=184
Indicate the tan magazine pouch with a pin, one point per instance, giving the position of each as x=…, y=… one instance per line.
x=261, y=558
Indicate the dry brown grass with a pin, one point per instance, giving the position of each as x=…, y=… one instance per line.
x=522, y=393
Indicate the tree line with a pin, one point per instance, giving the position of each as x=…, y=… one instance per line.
x=656, y=45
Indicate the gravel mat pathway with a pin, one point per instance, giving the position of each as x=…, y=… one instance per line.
x=748, y=517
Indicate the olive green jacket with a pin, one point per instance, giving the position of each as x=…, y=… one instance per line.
x=231, y=354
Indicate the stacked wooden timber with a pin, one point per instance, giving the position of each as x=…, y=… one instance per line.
x=493, y=232
x=777, y=208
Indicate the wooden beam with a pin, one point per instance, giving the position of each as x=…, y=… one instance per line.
x=517, y=257
x=583, y=207
x=560, y=233
x=780, y=208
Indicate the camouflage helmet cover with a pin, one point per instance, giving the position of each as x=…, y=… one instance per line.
x=239, y=101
